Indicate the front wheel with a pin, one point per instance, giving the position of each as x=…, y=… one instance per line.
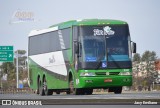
x=68, y=91
x=58, y=92
x=88, y=91
x=116, y=90
x=74, y=91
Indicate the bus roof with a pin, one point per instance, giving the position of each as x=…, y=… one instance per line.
x=87, y=22
x=76, y=23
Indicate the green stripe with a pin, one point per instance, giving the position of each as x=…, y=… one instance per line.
x=87, y=22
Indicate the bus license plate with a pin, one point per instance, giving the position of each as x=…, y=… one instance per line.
x=108, y=80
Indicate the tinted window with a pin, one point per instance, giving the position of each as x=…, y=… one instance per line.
x=44, y=43
x=66, y=33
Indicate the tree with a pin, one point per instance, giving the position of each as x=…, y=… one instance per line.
x=136, y=57
x=136, y=70
x=21, y=58
x=149, y=58
x=21, y=64
x=22, y=52
x=145, y=65
x=9, y=69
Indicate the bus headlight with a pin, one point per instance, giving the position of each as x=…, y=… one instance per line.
x=87, y=74
x=125, y=73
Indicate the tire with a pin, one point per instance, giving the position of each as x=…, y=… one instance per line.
x=57, y=92
x=45, y=88
x=41, y=90
x=71, y=87
x=78, y=91
x=74, y=91
x=88, y=91
x=37, y=91
x=116, y=90
x=68, y=92
x=50, y=92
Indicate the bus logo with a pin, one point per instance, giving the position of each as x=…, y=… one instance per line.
x=52, y=59
x=106, y=31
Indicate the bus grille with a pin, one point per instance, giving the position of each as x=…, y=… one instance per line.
x=104, y=73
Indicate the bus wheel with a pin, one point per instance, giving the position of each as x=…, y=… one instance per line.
x=68, y=92
x=57, y=92
x=71, y=87
x=37, y=91
x=45, y=88
x=74, y=91
x=118, y=90
x=89, y=91
x=41, y=90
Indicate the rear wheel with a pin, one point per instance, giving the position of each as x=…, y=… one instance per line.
x=45, y=88
x=37, y=91
x=41, y=90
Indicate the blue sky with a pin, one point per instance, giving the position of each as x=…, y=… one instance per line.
x=143, y=17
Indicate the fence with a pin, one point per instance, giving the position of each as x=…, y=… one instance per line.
x=16, y=91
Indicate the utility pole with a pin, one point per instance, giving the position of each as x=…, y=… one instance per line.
x=17, y=70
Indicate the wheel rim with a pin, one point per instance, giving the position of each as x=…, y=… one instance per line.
x=45, y=86
x=40, y=88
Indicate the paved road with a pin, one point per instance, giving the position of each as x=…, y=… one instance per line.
x=129, y=95
x=130, y=98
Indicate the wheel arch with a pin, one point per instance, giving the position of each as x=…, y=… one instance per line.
x=71, y=75
x=44, y=76
x=38, y=78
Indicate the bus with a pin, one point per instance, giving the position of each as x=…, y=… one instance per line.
x=78, y=56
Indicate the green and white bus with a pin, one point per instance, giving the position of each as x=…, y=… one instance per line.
x=81, y=55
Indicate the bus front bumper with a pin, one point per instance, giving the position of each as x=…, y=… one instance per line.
x=103, y=82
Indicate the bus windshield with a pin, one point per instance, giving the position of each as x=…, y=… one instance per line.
x=117, y=48
x=109, y=45
x=93, y=48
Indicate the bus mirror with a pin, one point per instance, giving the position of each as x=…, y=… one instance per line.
x=134, y=47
